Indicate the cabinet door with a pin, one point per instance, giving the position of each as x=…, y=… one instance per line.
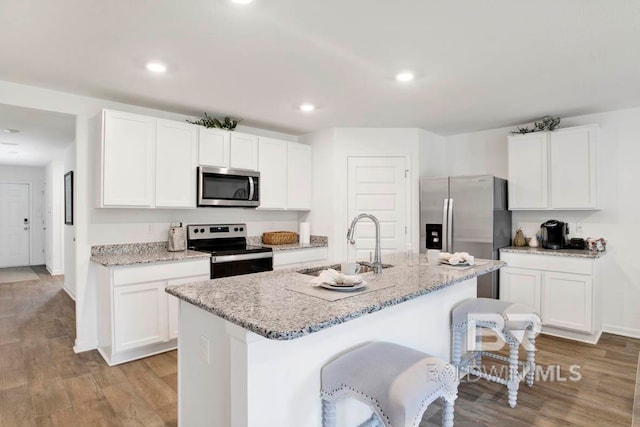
x=243, y=151
x=299, y=176
x=173, y=304
x=140, y=315
x=567, y=301
x=128, y=159
x=213, y=147
x=520, y=285
x=528, y=162
x=176, y=162
x=272, y=164
x=573, y=171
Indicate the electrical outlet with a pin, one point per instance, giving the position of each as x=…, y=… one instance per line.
x=204, y=350
x=579, y=229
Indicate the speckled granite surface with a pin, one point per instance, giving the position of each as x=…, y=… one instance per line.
x=262, y=304
x=575, y=253
x=139, y=253
x=314, y=242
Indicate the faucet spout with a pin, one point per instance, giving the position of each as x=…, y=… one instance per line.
x=377, y=261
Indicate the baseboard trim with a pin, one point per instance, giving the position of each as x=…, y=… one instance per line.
x=54, y=272
x=72, y=296
x=621, y=330
x=81, y=347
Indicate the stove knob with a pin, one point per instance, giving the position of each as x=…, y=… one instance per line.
x=195, y=230
x=202, y=230
x=241, y=228
x=235, y=229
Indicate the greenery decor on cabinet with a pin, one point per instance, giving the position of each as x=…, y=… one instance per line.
x=547, y=123
x=211, y=122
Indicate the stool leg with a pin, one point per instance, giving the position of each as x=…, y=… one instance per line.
x=514, y=376
x=478, y=355
x=447, y=413
x=531, y=358
x=328, y=413
x=372, y=421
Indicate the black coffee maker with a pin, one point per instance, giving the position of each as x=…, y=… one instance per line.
x=554, y=234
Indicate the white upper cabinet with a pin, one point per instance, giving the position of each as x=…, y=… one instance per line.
x=272, y=164
x=214, y=147
x=176, y=162
x=572, y=164
x=553, y=170
x=243, y=151
x=299, y=176
x=528, y=172
x=128, y=160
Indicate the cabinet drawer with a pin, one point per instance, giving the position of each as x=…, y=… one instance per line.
x=163, y=271
x=549, y=263
x=299, y=256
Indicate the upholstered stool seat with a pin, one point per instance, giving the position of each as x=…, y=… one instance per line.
x=514, y=324
x=397, y=382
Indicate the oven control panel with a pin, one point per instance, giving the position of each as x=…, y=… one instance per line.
x=215, y=231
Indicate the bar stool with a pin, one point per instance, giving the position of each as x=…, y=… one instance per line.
x=398, y=383
x=514, y=323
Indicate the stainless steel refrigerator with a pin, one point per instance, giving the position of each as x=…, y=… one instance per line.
x=466, y=214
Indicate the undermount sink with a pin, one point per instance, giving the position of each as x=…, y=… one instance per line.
x=365, y=267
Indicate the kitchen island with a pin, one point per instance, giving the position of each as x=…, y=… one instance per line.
x=251, y=347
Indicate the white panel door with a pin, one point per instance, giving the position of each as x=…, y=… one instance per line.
x=299, y=176
x=377, y=186
x=14, y=230
x=272, y=164
x=567, y=301
x=243, y=151
x=522, y=286
x=128, y=159
x=528, y=166
x=140, y=315
x=573, y=168
x=176, y=162
x=213, y=147
x=173, y=304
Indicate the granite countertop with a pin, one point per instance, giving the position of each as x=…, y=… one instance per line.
x=575, y=253
x=315, y=242
x=140, y=253
x=262, y=303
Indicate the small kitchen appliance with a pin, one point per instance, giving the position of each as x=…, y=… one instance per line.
x=230, y=254
x=228, y=187
x=577, y=243
x=554, y=234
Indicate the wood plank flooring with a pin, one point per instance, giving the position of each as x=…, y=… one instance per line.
x=44, y=383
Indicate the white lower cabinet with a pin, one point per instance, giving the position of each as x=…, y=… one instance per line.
x=137, y=318
x=299, y=258
x=563, y=290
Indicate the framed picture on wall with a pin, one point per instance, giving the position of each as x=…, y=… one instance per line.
x=68, y=198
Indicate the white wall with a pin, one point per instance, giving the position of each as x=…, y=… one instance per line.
x=331, y=149
x=35, y=177
x=432, y=151
x=54, y=212
x=110, y=226
x=69, y=231
x=617, y=221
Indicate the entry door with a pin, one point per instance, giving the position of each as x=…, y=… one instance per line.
x=377, y=186
x=14, y=225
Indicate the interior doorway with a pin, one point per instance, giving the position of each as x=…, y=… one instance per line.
x=377, y=186
x=15, y=226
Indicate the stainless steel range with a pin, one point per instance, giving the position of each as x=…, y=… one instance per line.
x=230, y=254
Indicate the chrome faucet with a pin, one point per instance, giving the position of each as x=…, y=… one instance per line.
x=377, y=260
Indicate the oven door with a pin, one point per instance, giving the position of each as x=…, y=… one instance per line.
x=236, y=265
x=228, y=187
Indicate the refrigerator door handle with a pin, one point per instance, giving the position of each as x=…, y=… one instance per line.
x=445, y=228
x=450, y=226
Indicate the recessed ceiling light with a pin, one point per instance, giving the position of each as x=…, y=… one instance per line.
x=405, y=76
x=242, y=1
x=11, y=130
x=9, y=143
x=307, y=107
x=156, y=67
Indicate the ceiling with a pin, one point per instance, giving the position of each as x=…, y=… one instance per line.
x=43, y=135
x=479, y=64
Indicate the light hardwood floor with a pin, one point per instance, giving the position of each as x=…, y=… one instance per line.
x=43, y=383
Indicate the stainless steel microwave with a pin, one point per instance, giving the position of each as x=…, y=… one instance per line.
x=228, y=187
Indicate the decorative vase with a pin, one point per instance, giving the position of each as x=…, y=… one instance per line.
x=533, y=242
x=519, y=240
